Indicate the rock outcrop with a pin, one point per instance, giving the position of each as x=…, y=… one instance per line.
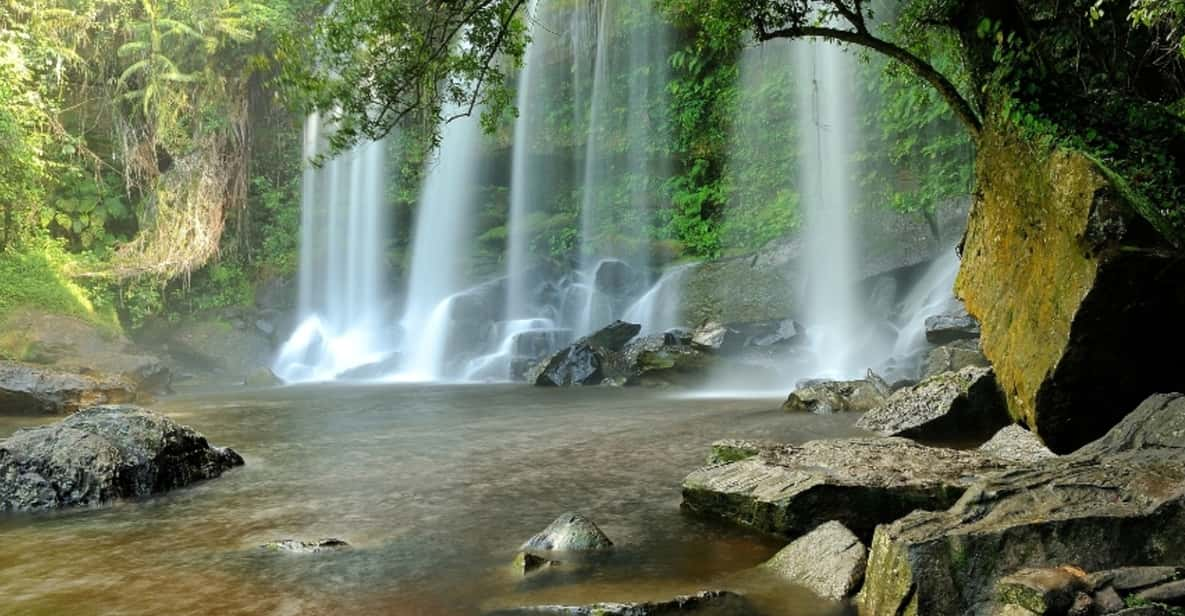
x=1076, y=294
x=104, y=453
x=788, y=490
x=829, y=561
x=33, y=390
x=952, y=327
x=1119, y=501
x=953, y=406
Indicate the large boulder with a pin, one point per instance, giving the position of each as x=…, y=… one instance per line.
x=1076, y=294
x=220, y=343
x=104, y=453
x=589, y=360
x=827, y=397
x=1120, y=501
x=953, y=406
x=829, y=561
x=616, y=278
x=33, y=390
x=788, y=490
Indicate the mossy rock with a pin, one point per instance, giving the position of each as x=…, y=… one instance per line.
x=1078, y=297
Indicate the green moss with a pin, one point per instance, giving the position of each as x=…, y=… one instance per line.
x=35, y=280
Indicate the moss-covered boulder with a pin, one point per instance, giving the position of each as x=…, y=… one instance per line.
x=1077, y=296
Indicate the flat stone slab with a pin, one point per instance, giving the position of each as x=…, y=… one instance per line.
x=788, y=490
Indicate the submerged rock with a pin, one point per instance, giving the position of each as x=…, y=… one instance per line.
x=1118, y=501
x=963, y=405
x=707, y=603
x=1057, y=267
x=829, y=561
x=826, y=397
x=571, y=532
x=295, y=546
x=790, y=489
x=104, y=453
x=32, y=390
x=526, y=563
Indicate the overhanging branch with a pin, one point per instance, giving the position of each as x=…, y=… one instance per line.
x=947, y=90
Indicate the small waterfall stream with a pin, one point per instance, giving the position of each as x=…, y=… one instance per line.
x=341, y=292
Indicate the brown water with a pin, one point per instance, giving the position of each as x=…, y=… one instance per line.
x=435, y=487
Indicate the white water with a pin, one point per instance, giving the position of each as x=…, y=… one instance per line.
x=827, y=187
x=341, y=275
x=440, y=252
x=659, y=309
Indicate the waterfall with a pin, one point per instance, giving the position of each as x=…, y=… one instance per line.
x=658, y=309
x=440, y=253
x=341, y=271
x=827, y=186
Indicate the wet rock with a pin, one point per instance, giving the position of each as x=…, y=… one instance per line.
x=1128, y=579
x=1083, y=605
x=960, y=405
x=1042, y=591
x=1056, y=264
x=707, y=603
x=1171, y=593
x=829, y=561
x=294, y=546
x=770, y=333
x=103, y=453
x=732, y=450
x=614, y=336
x=1016, y=445
x=790, y=489
x=827, y=397
x=947, y=328
x=711, y=336
x=571, y=532
x=212, y=344
x=953, y=357
x=262, y=377
x=33, y=390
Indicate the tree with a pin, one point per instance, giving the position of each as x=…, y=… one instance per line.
x=374, y=64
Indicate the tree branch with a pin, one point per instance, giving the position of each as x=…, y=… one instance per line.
x=962, y=108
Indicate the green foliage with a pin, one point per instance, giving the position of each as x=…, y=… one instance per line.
x=88, y=211
x=36, y=276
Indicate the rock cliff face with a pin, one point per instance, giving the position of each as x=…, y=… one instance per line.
x=1076, y=294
